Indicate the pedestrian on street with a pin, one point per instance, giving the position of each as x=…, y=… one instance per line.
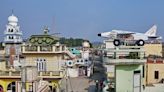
x=97, y=85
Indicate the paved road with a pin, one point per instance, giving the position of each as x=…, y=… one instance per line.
x=80, y=84
x=98, y=73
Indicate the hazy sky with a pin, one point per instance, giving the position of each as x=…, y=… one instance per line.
x=83, y=18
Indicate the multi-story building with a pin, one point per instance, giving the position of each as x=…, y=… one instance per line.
x=48, y=55
x=154, y=65
x=124, y=67
x=41, y=60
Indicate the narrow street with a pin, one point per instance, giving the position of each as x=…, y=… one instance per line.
x=85, y=84
x=98, y=74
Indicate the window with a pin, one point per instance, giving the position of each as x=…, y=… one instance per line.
x=41, y=64
x=156, y=75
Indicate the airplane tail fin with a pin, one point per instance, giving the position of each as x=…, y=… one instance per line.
x=152, y=31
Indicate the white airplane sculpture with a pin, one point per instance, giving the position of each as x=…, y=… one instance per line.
x=139, y=38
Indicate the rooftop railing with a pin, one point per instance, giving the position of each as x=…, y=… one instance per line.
x=43, y=49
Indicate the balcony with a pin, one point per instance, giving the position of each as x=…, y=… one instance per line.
x=12, y=40
x=17, y=33
x=41, y=74
x=43, y=49
x=10, y=74
x=51, y=74
x=108, y=60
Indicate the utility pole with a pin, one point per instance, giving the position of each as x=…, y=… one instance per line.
x=66, y=79
x=23, y=78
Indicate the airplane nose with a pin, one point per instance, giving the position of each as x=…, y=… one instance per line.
x=99, y=34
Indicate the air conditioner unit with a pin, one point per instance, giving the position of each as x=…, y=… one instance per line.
x=70, y=63
x=80, y=62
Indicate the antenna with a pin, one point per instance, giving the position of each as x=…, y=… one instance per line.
x=53, y=27
x=53, y=24
x=12, y=11
x=46, y=30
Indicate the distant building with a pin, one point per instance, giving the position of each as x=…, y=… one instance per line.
x=124, y=67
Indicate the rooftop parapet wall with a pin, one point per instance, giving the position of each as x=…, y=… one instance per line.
x=124, y=55
x=156, y=60
x=107, y=60
x=125, y=52
x=153, y=49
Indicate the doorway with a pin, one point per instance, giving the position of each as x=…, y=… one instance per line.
x=137, y=81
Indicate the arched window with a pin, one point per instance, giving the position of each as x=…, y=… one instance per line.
x=12, y=37
x=11, y=87
x=41, y=64
x=8, y=30
x=11, y=30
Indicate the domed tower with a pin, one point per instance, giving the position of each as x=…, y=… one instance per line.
x=85, y=50
x=12, y=39
x=13, y=35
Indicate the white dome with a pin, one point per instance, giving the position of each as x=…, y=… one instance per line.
x=86, y=44
x=13, y=18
